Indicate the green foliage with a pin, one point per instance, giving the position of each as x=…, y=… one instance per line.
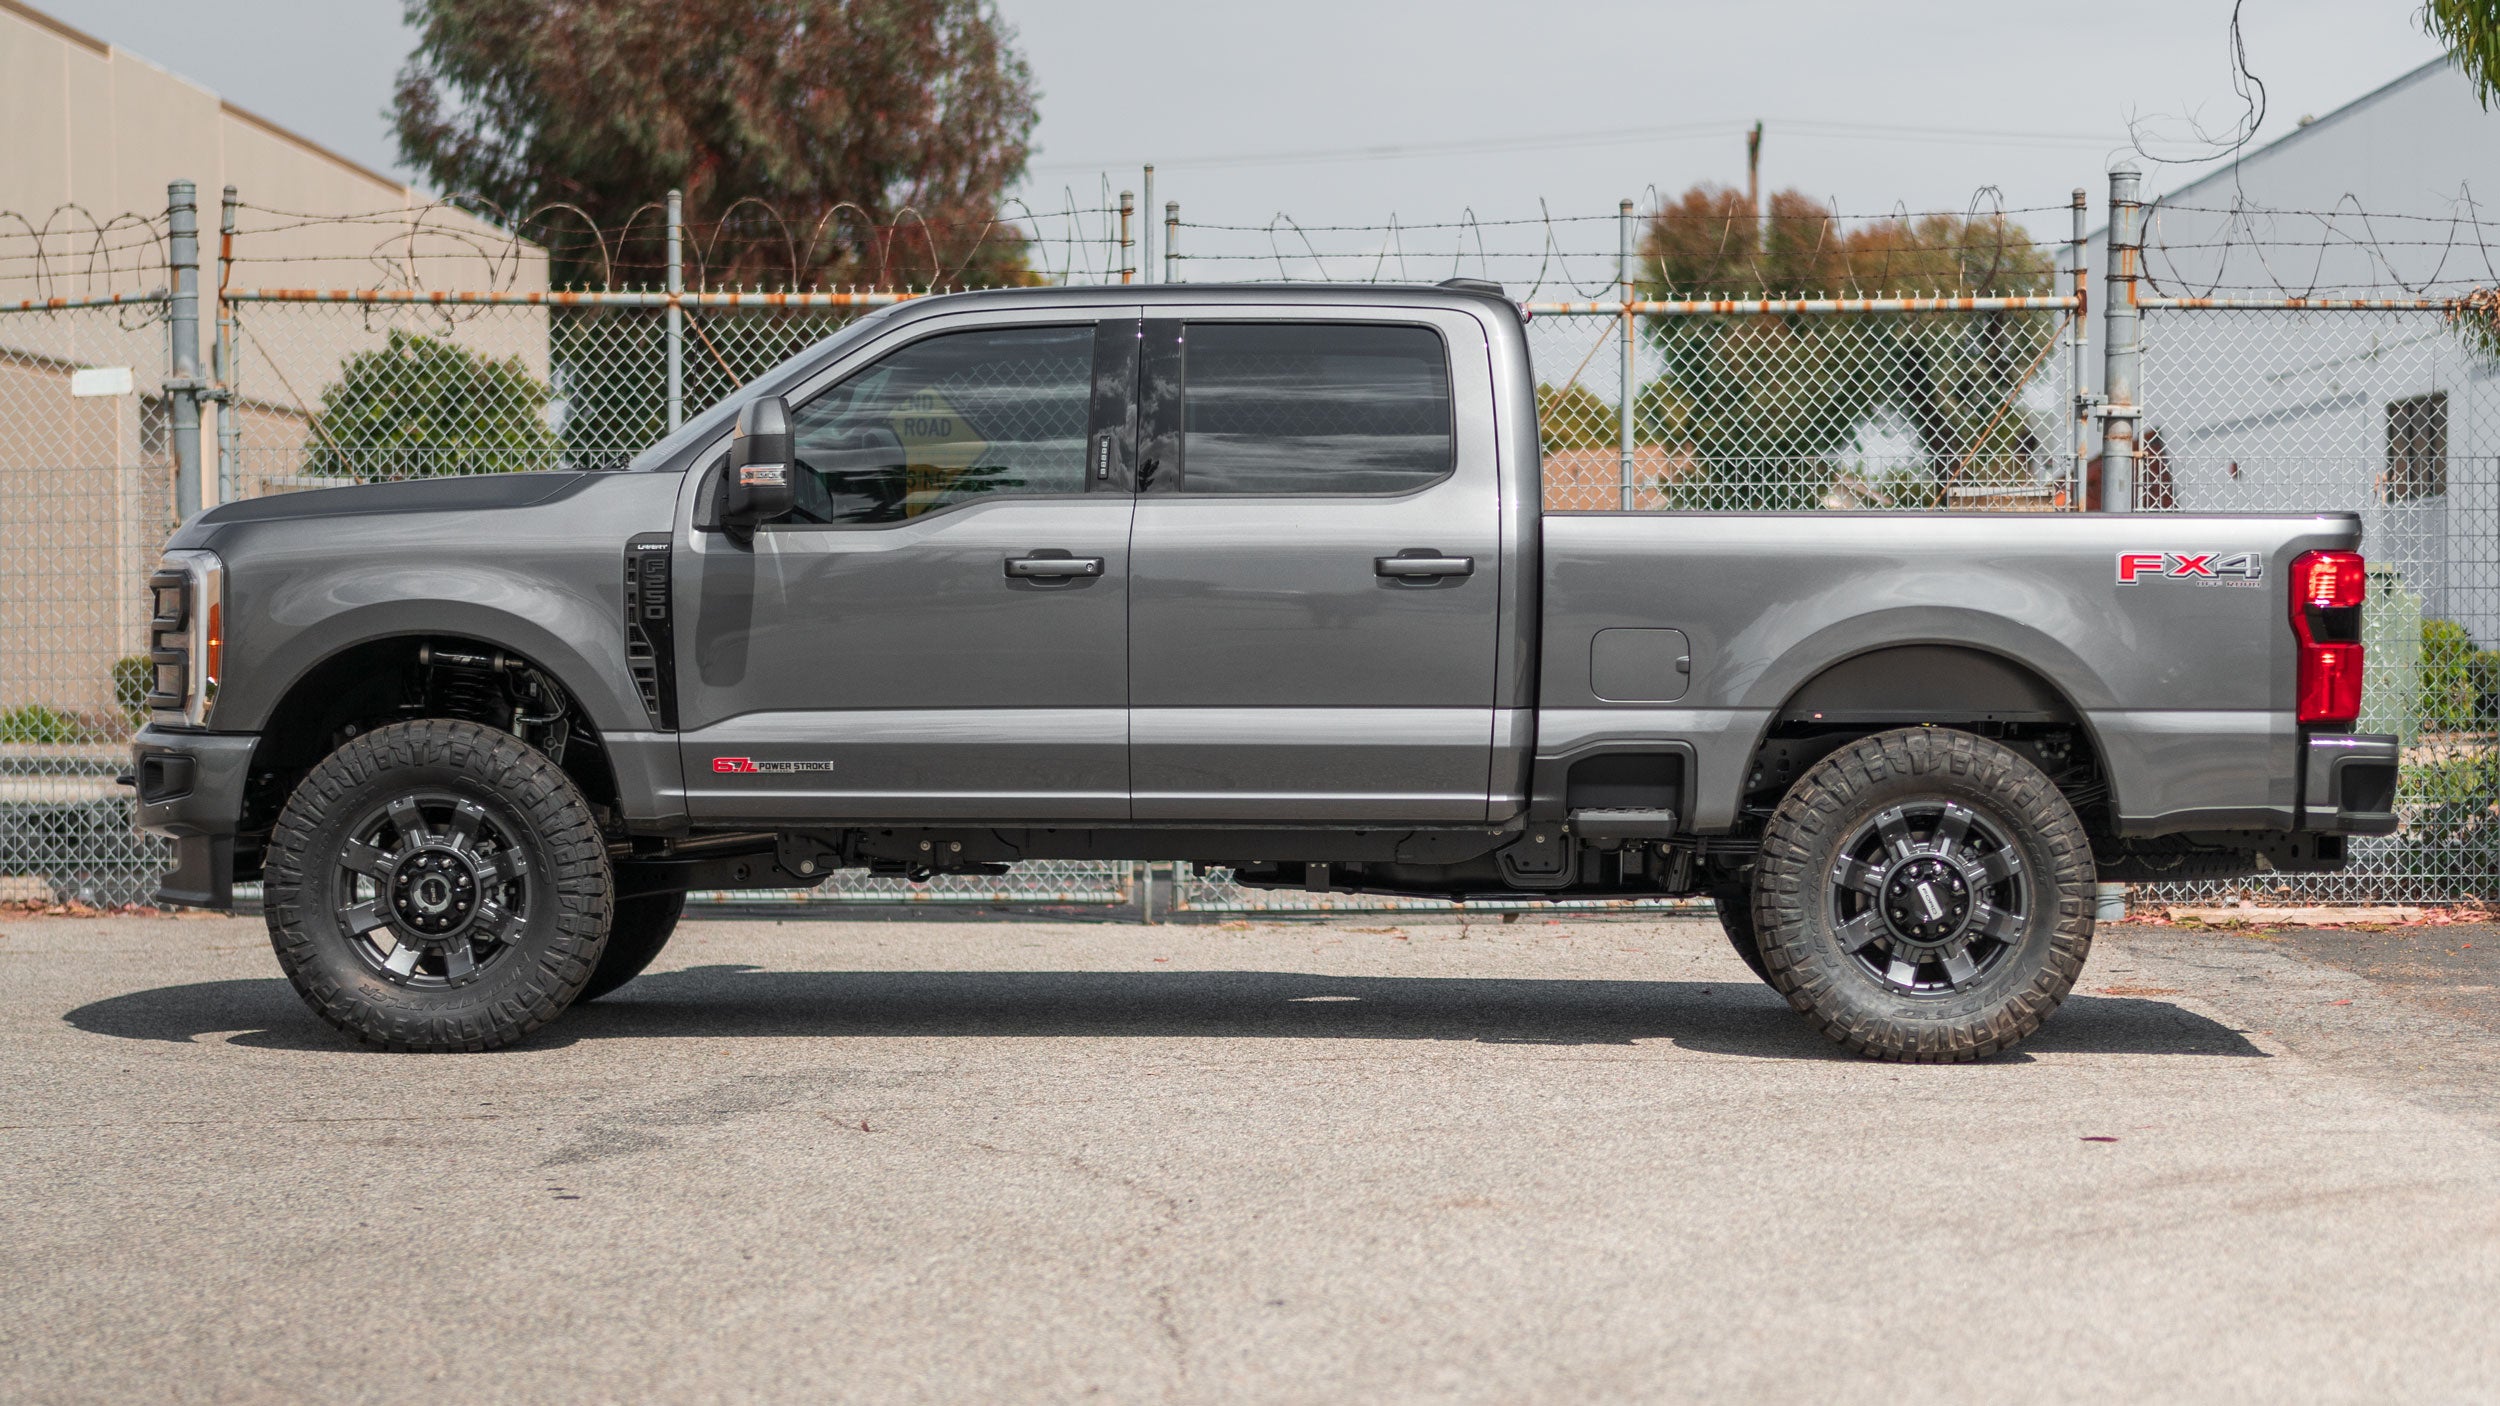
x=816, y=141
x=42, y=725
x=133, y=676
x=419, y=407
x=1763, y=404
x=2460, y=683
x=2453, y=810
x=2471, y=30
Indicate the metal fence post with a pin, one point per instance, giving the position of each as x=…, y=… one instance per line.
x=676, y=312
x=1146, y=226
x=1624, y=397
x=1128, y=265
x=1171, y=240
x=221, y=364
x=2121, y=351
x=182, y=227
x=2078, y=341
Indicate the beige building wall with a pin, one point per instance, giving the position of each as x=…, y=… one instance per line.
x=93, y=135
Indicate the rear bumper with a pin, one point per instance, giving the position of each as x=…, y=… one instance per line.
x=190, y=787
x=2348, y=783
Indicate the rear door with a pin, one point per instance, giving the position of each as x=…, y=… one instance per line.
x=940, y=630
x=1315, y=567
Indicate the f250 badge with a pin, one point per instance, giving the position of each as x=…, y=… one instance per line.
x=2201, y=568
x=749, y=766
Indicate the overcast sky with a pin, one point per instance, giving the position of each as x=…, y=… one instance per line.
x=1350, y=111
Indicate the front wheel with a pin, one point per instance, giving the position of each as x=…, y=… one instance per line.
x=1924, y=895
x=437, y=885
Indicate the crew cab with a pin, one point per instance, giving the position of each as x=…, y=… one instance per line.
x=1248, y=576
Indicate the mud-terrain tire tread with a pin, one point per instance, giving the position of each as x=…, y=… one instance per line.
x=1816, y=815
x=573, y=866
x=1735, y=908
x=638, y=927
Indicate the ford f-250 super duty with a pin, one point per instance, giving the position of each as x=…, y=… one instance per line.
x=1254, y=577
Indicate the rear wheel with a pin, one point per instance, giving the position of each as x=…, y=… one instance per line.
x=1924, y=895
x=639, y=927
x=437, y=885
x=1735, y=905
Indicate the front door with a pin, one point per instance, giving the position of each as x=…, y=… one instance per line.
x=940, y=629
x=1314, y=610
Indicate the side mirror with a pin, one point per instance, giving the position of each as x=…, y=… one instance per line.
x=756, y=487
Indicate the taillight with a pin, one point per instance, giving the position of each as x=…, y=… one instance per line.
x=2327, y=590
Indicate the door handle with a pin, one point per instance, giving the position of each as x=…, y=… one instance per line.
x=1032, y=567
x=1423, y=568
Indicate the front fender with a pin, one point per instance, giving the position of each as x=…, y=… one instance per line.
x=304, y=622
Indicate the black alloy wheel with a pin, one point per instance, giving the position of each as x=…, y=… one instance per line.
x=1929, y=897
x=431, y=889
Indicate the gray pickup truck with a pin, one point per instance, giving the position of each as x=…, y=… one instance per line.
x=1249, y=576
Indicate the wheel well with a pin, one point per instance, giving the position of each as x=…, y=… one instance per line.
x=415, y=676
x=1932, y=685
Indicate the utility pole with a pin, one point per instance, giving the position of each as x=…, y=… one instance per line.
x=1753, y=181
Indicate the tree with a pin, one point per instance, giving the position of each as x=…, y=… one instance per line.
x=1763, y=406
x=418, y=407
x=831, y=141
x=2471, y=30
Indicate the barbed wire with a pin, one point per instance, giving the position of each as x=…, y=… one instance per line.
x=751, y=244
x=1542, y=255
x=2248, y=249
x=73, y=253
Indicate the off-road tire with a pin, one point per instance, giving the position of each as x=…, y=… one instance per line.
x=562, y=918
x=638, y=928
x=1735, y=905
x=1795, y=882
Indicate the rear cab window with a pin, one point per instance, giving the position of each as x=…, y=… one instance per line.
x=1312, y=408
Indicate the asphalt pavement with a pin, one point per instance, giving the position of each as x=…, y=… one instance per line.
x=1362, y=1160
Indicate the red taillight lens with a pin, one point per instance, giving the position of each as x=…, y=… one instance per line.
x=2329, y=580
x=2327, y=591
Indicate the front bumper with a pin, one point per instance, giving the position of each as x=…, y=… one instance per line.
x=2348, y=783
x=190, y=787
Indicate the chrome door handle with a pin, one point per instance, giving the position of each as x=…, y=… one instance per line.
x=1053, y=567
x=1422, y=568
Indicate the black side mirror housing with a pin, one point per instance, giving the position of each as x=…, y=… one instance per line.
x=756, y=487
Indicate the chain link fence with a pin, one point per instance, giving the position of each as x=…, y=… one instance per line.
x=2392, y=412
x=85, y=501
x=1784, y=406
x=1650, y=398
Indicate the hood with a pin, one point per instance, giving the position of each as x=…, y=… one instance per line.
x=465, y=493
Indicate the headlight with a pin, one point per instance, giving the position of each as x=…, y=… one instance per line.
x=186, y=636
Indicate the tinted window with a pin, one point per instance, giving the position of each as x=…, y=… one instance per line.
x=1313, y=408
x=945, y=420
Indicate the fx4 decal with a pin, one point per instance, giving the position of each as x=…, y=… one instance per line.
x=2202, y=568
x=749, y=766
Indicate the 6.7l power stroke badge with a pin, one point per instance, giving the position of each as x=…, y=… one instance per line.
x=749, y=766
